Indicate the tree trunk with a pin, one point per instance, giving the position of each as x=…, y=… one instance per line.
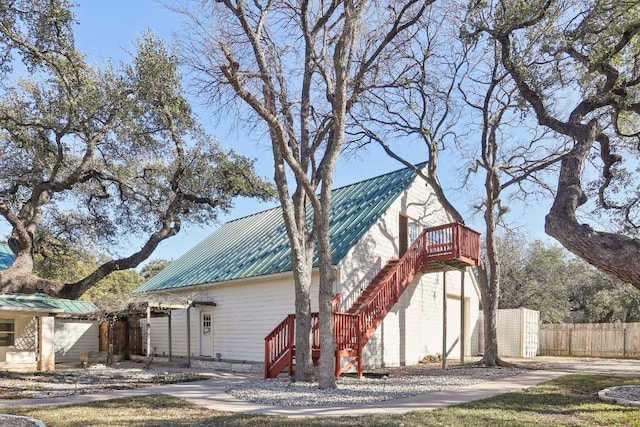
x=489, y=272
x=302, y=281
x=490, y=317
x=19, y=278
x=295, y=220
x=326, y=371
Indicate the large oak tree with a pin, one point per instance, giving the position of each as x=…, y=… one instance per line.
x=577, y=64
x=98, y=158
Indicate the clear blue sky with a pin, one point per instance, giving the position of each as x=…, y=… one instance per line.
x=107, y=30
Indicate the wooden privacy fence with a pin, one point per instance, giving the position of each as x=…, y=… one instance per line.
x=126, y=337
x=590, y=339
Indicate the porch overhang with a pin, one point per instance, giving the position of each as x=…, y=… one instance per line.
x=23, y=311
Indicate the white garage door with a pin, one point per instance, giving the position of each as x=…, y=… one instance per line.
x=453, y=327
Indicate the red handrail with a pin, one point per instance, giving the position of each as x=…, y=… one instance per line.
x=344, y=328
x=279, y=343
x=393, y=285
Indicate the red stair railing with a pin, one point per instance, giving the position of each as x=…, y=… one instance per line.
x=389, y=290
x=352, y=331
x=279, y=347
x=469, y=244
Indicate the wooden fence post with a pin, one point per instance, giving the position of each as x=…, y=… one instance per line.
x=570, y=335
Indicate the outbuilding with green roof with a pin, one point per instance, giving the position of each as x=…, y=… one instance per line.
x=243, y=269
x=36, y=330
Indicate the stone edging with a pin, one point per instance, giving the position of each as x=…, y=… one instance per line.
x=602, y=394
x=33, y=421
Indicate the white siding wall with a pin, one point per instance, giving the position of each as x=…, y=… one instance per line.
x=517, y=332
x=159, y=330
x=380, y=243
x=72, y=337
x=244, y=314
x=413, y=329
x=530, y=330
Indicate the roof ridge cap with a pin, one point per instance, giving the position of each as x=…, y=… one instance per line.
x=419, y=165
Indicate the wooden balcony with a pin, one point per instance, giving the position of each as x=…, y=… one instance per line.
x=451, y=245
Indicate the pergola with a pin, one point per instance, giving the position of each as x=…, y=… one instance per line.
x=148, y=309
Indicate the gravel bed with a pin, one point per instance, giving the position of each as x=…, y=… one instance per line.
x=627, y=393
x=284, y=392
x=13, y=421
x=96, y=379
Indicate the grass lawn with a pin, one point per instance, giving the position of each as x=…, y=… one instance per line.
x=567, y=401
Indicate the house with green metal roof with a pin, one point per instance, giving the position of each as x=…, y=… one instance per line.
x=244, y=269
x=36, y=330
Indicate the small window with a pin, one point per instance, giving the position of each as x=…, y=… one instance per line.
x=414, y=232
x=7, y=332
x=206, y=324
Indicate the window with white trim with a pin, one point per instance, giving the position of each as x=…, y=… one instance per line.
x=206, y=323
x=414, y=231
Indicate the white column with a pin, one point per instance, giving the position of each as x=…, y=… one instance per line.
x=46, y=350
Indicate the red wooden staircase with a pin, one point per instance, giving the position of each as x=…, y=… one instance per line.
x=453, y=245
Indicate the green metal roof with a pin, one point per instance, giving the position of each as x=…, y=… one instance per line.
x=257, y=245
x=42, y=302
x=6, y=256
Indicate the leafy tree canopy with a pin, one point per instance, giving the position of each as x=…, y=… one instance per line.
x=99, y=158
x=576, y=64
x=562, y=287
x=153, y=267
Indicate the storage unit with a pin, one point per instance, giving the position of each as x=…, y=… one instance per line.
x=518, y=330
